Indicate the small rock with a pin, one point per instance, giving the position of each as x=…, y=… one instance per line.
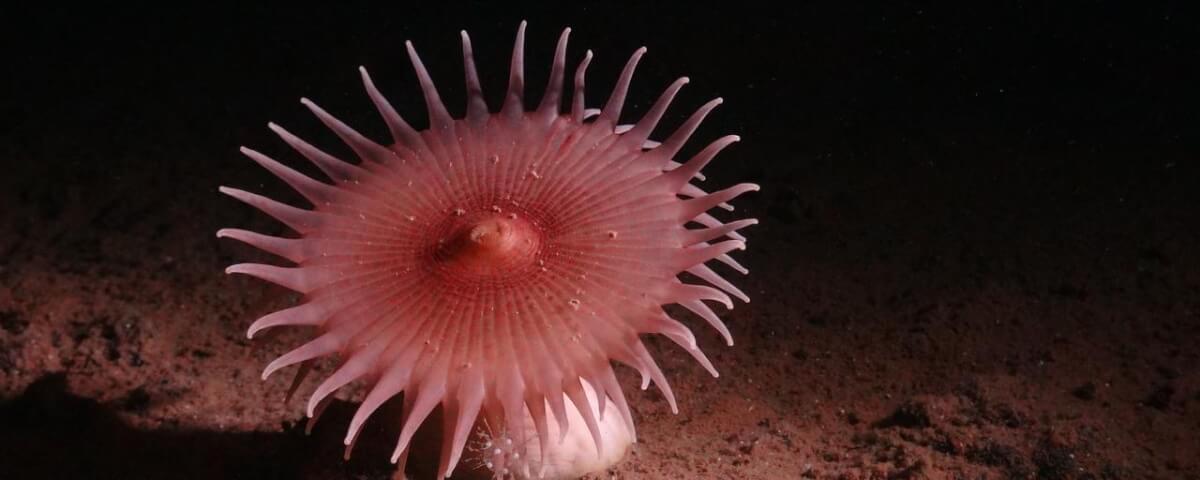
x=136, y=401
x=911, y=414
x=12, y=322
x=1085, y=392
x=1160, y=398
x=1054, y=461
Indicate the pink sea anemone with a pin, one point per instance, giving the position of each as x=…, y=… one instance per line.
x=494, y=264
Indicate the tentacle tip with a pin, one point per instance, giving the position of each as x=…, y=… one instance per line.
x=222, y=233
x=267, y=373
x=523, y=24
x=348, y=440
x=250, y=334
x=246, y=150
x=362, y=69
x=273, y=126
x=718, y=100
x=588, y=55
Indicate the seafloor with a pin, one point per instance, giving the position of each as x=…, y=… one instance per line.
x=940, y=289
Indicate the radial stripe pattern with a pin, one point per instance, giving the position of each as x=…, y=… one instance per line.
x=491, y=265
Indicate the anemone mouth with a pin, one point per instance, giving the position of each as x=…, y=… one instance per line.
x=488, y=247
x=497, y=265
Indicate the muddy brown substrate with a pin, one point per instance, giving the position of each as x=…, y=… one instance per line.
x=893, y=333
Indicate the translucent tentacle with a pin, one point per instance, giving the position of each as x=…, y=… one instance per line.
x=712, y=222
x=514, y=98
x=703, y=252
x=470, y=398
x=692, y=237
x=297, y=219
x=699, y=308
x=671, y=165
x=683, y=337
x=316, y=192
x=682, y=292
x=401, y=131
x=578, y=110
x=575, y=392
x=439, y=118
x=334, y=168
x=691, y=208
x=477, y=108
x=554, y=87
x=362, y=146
x=710, y=276
x=692, y=191
x=611, y=113
x=671, y=146
x=647, y=361
x=641, y=131
x=289, y=248
x=679, y=177
x=728, y=260
x=318, y=347
x=428, y=396
x=297, y=279
x=310, y=314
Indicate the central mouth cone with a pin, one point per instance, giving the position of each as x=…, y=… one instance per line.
x=489, y=246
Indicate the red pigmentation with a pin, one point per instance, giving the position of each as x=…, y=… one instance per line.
x=492, y=264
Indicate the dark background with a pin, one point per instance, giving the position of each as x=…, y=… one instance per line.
x=1022, y=122
x=817, y=85
x=909, y=153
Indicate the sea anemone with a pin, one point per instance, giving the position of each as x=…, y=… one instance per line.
x=496, y=265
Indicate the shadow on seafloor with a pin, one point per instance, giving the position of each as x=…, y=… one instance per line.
x=47, y=432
